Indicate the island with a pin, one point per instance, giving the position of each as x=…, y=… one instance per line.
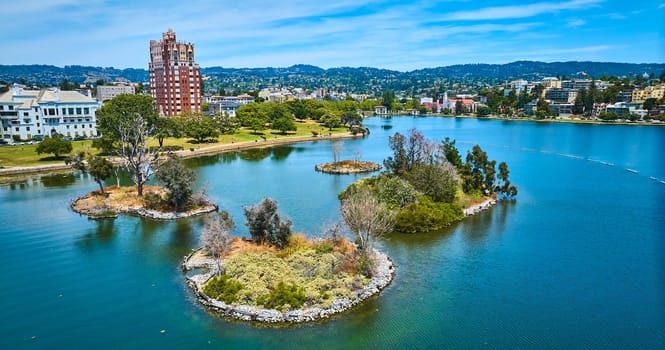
x=348, y=167
x=152, y=204
x=321, y=280
x=278, y=276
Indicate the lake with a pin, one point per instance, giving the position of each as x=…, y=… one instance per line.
x=576, y=262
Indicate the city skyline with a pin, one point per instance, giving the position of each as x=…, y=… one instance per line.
x=383, y=34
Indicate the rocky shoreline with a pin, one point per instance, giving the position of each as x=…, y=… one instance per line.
x=477, y=208
x=385, y=270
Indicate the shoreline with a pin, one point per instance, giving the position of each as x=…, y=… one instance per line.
x=253, y=314
x=17, y=172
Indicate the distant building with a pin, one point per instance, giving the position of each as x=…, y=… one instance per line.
x=47, y=112
x=174, y=75
x=380, y=110
x=108, y=92
x=561, y=94
x=656, y=92
x=551, y=82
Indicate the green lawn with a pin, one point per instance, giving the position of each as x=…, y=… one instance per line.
x=26, y=155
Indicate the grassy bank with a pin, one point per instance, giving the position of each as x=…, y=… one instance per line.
x=26, y=155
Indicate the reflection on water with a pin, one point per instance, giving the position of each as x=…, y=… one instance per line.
x=58, y=180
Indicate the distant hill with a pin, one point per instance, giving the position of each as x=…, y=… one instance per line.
x=360, y=79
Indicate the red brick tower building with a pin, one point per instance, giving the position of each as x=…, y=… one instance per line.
x=175, y=82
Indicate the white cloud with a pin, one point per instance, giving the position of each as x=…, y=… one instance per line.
x=576, y=23
x=522, y=11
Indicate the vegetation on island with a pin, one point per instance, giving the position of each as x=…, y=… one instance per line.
x=425, y=184
x=346, y=166
x=279, y=269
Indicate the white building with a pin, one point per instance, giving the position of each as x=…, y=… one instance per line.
x=108, y=92
x=46, y=112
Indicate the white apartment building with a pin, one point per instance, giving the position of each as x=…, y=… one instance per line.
x=47, y=112
x=108, y=92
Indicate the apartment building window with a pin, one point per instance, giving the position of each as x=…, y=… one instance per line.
x=25, y=114
x=86, y=111
x=71, y=111
x=27, y=128
x=78, y=110
x=64, y=111
x=2, y=108
x=16, y=128
x=90, y=126
x=11, y=108
x=37, y=124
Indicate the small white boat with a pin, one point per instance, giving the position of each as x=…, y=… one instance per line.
x=632, y=170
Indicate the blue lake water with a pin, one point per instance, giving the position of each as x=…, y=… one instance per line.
x=577, y=261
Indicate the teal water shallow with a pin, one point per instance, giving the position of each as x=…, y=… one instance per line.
x=577, y=261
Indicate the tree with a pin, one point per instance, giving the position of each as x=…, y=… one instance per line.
x=483, y=111
x=200, y=128
x=129, y=120
x=544, y=107
x=266, y=225
x=437, y=181
x=178, y=180
x=578, y=106
x=451, y=153
x=100, y=168
x=388, y=99
x=649, y=103
x=227, y=125
x=459, y=107
x=367, y=218
x=506, y=189
x=337, y=148
x=216, y=238
x=167, y=127
x=56, y=145
x=331, y=120
x=284, y=124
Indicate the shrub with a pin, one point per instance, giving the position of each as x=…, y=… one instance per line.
x=152, y=200
x=323, y=248
x=178, y=179
x=283, y=297
x=426, y=216
x=266, y=225
x=364, y=264
x=223, y=288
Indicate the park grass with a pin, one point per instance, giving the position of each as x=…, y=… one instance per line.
x=26, y=155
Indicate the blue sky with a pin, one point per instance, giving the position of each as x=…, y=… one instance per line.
x=401, y=35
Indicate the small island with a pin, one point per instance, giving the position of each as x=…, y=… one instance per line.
x=280, y=277
x=152, y=204
x=338, y=166
x=348, y=167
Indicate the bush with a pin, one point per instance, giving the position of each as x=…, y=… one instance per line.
x=426, y=216
x=283, y=297
x=323, y=248
x=223, y=288
x=364, y=264
x=178, y=179
x=266, y=225
x=152, y=200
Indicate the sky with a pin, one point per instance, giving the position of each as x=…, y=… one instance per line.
x=398, y=35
